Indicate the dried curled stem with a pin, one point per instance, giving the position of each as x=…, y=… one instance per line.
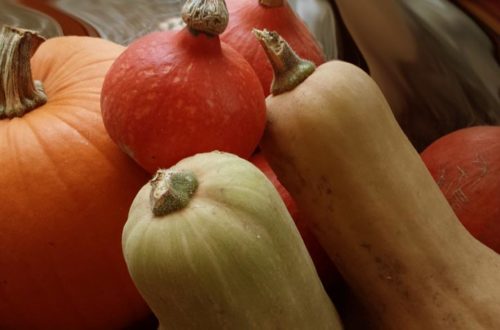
x=18, y=92
x=289, y=69
x=205, y=16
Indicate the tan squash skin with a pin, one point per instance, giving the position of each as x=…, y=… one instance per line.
x=336, y=146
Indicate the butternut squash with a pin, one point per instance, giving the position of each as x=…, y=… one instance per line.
x=335, y=145
x=210, y=245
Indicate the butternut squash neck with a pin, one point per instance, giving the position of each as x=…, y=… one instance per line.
x=337, y=148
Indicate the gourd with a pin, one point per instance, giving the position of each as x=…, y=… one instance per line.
x=274, y=15
x=332, y=282
x=335, y=145
x=210, y=245
x=171, y=95
x=66, y=189
x=466, y=166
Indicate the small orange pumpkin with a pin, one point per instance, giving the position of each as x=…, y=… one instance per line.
x=66, y=189
x=171, y=95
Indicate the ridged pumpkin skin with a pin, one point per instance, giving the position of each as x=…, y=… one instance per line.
x=337, y=148
x=466, y=166
x=66, y=189
x=231, y=259
x=245, y=15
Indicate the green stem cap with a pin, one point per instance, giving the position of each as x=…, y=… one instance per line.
x=171, y=191
x=289, y=69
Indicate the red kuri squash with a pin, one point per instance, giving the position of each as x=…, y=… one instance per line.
x=66, y=189
x=174, y=94
x=276, y=15
x=466, y=166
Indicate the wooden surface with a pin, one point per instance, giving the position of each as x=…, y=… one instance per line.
x=120, y=21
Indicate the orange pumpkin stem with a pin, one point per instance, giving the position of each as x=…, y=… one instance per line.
x=289, y=69
x=272, y=3
x=171, y=191
x=205, y=16
x=18, y=92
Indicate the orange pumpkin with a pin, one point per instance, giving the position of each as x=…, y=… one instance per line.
x=66, y=189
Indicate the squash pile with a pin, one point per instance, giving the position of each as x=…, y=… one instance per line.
x=175, y=177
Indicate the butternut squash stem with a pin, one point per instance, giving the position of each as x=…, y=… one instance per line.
x=205, y=16
x=272, y=3
x=19, y=94
x=289, y=69
x=171, y=191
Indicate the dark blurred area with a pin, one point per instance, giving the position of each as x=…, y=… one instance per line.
x=436, y=61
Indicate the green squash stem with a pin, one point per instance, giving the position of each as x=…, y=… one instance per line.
x=205, y=16
x=19, y=94
x=289, y=69
x=171, y=191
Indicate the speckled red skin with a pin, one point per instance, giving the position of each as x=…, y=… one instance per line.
x=244, y=15
x=466, y=165
x=171, y=95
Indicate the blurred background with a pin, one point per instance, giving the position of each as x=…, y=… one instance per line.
x=124, y=20
x=436, y=61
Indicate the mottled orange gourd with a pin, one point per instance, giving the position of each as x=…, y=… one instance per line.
x=466, y=166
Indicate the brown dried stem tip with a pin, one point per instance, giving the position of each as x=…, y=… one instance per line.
x=18, y=92
x=205, y=16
